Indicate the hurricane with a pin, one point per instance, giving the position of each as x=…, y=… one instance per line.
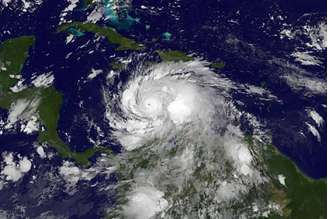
x=184, y=152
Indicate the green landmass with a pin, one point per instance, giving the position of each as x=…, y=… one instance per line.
x=173, y=56
x=302, y=197
x=116, y=65
x=176, y=56
x=217, y=65
x=111, y=34
x=13, y=54
x=49, y=111
x=87, y=3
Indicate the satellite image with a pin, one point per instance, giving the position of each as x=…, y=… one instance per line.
x=163, y=109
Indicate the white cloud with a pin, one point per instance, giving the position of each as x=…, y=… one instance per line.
x=306, y=58
x=71, y=5
x=41, y=152
x=144, y=202
x=27, y=5
x=95, y=15
x=43, y=80
x=19, y=86
x=312, y=85
x=228, y=191
x=94, y=73
x=318, y=35
x=12, y=170
x=69, y=39
x=282, y=179
x=70, y=172
x=22, y=109
x=73, y=174
x=316, y=117
x=240, y=155
x=31, y=126
x=5, y=3
x=314, y=131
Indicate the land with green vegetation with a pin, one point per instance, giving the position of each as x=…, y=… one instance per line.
x=87, y=3
x=173, y=56
x=111, y=34
x=302, y=197
x=13, y=54
x=176, y=56
x=217, y=65
x=116, y=65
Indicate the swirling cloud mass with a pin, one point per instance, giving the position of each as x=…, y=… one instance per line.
x=184, y=150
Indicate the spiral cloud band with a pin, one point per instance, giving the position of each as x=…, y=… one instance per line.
x=164, y=98
x=177, y=118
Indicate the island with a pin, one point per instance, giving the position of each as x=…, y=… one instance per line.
x=111, y=35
